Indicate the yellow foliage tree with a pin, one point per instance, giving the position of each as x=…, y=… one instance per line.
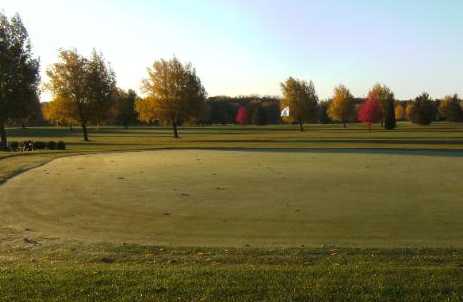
x=60, y=111
x=409, y=111
x=400, y=112
x=146, y=109
x=341, y=107
x=300, y=98
x=174, y=93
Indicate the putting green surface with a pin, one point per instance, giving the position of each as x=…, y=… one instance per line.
x=236, y=199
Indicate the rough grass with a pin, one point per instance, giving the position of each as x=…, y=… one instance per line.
x=79, y=272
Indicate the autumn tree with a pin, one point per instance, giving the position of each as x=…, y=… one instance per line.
x=450, y=109
x=19, y=73
x=423, y=110
x=370, y=112
x=386, y=98
x=87, y=83
x=242, y=116
x=301, y=99
x=341, y=106
x=400, y=112
x=60, y=111
x=409, y=109
x=174, y=93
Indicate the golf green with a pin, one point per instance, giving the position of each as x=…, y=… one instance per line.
x=240, y=198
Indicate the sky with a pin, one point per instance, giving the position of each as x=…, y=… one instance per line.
x=244, y=47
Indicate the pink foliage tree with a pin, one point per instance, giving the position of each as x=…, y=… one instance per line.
x=242, y=116
x=370, y=111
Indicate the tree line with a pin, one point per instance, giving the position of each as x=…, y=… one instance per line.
x=85, y=92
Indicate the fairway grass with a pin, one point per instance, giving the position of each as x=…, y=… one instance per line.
x=239, y=199
x=407, y=136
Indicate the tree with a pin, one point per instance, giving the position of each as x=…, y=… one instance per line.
x=386, y=98
x=19, y=73
x=242, y=116
x=409, y=109
x=423, y=110
x=88, y=84
x=60, y=111
x=301, y=99
x=259, y=116
x=222, y=110
x=323, y=115
x=146, y=110
x=450, y=109
x=124, y=108
x=341, y=107
x=370, y=111
x=174, y=92
x=28, y=113
x=272, y=111
x=389, y=115
x=400, y=112
x=101, y=88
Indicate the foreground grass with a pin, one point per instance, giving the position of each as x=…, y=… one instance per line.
x=79, y=272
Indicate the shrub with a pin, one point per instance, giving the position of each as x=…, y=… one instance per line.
x=61, y=145
x=39, y=145
x=14, y=146
x=51, y=145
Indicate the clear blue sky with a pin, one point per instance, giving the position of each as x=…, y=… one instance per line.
x=250, y=46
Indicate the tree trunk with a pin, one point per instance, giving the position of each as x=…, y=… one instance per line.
x=84, y=129
x=3, y=142
x=301, y=126
x=345, y=124
x=369, y=127
x=23, y=125
x=174, y=126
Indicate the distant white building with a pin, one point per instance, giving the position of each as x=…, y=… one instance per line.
x=285, y=112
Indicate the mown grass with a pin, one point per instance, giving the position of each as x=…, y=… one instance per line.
x=237, y=198
x=74, y=271
x=439, y=135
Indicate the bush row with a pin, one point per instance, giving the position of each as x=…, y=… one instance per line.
x=37, y=145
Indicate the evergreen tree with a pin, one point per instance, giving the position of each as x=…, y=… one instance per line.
x=389, y=115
